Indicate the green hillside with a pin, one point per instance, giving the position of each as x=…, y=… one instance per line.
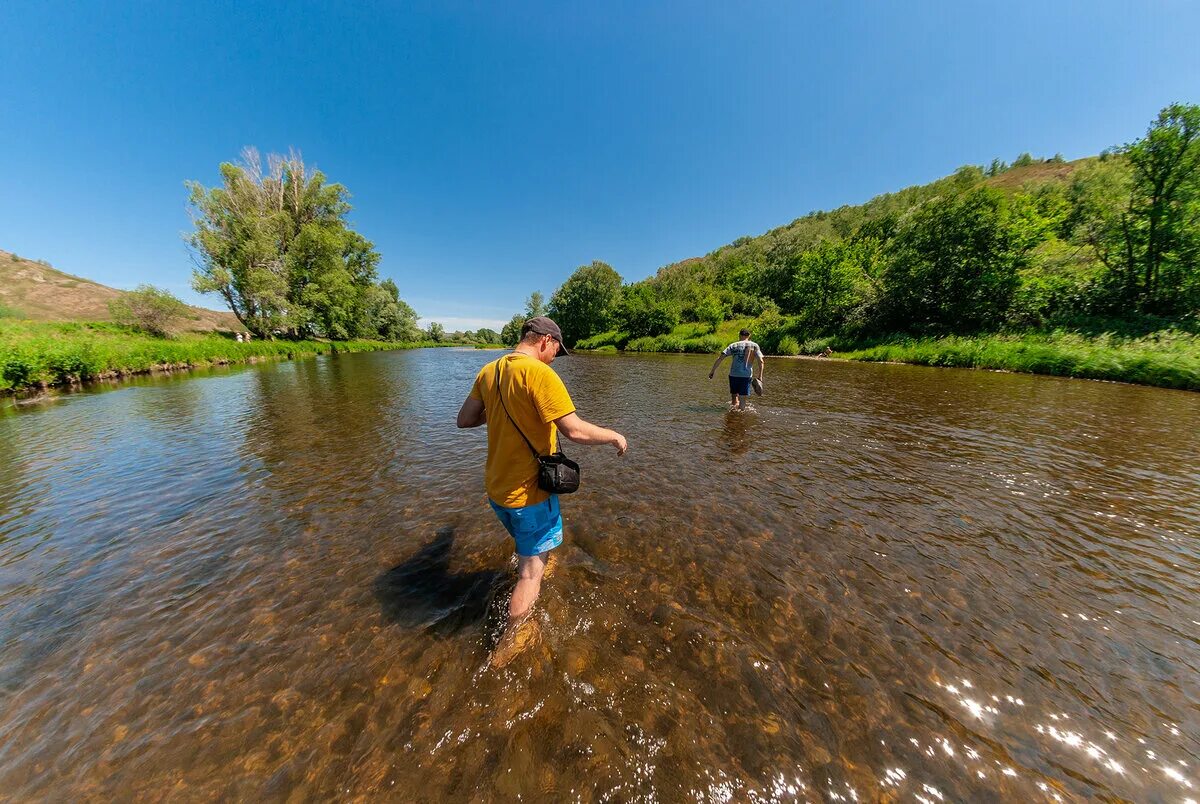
x=1011, y=258
x=35, y=291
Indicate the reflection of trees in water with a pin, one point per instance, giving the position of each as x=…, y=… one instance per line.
x=325, y=416
x=323, y=434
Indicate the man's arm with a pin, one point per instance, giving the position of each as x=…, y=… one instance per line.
x=472, y=413
x=762, y=364
x=582, y=432
x=720, y=357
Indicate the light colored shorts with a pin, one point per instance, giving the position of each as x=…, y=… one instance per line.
x=535, y=528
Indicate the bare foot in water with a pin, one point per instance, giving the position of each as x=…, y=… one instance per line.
x=514, y=641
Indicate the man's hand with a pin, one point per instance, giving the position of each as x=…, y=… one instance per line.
x=620, y=443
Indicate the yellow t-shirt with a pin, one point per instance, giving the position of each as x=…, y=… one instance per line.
x=535, y=397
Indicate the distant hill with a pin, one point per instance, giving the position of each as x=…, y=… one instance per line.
x=840, y=222
x=36, y=291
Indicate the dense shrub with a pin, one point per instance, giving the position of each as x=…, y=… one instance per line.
x=787, y=346
x=815, y=346
x=670, y=343
x=612, y=338
x=707, y=344
x=646, y=344
x=149, y=309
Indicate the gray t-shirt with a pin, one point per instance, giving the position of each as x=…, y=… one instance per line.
x=743, y=354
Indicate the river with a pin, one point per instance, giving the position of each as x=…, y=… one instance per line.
x=280, y=582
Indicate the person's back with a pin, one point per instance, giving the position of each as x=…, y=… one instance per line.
x=525, y=396
x=741, y=370
x=742, y=354
x=519, y=397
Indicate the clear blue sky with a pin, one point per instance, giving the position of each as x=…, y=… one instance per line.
x=492, y=148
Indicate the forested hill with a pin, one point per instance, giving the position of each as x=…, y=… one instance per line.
x=1037, y=245
x=1027, y=175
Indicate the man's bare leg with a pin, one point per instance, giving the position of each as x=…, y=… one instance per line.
x=529, y=584
x=520, y=630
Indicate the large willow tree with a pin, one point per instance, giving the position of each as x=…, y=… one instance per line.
x=275, y=244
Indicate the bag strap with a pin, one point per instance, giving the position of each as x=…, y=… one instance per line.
x=500, y=393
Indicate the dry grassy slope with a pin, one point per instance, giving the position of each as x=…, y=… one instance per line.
x=1037, y=173
x=38, y=292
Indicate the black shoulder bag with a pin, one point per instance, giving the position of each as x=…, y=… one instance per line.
x=557, y=473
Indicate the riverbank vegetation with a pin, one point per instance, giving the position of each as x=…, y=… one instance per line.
x=37, y=353
x=275, y=245
x=1087, y=268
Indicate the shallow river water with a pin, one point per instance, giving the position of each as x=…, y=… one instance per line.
x=883, y=583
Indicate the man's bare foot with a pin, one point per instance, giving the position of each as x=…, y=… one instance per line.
x=514, y=641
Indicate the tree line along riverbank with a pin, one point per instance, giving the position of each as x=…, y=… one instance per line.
x=38, y=354
x=1081, y=268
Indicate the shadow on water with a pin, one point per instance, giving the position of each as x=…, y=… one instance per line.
x=422, y=592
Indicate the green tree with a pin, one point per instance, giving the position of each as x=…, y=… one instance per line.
x=511, y=333
x=711, y=311
x=1162, y=227
x=485, y=335
x=818, y=284
x=387, y=315
x=276, y=246
x=586, y=303
x=954, y=265
x=643, y=312
x=1099, y=195
x=149, y=309
x=535, y=305
x=437, y=333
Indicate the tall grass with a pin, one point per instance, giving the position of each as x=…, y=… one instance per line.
x=1169, y=359
x=51, y=353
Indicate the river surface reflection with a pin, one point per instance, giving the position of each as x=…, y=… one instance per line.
x=885, y=582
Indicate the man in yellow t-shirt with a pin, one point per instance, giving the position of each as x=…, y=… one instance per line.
x=521, y=390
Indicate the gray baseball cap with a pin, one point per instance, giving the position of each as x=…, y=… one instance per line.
x=545, y=326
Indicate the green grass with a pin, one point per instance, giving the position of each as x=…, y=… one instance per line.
x=690, y=337
x=34, y=353
x=1145, y=350
x=1167, y=358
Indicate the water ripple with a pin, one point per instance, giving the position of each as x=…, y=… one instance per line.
x=881, y=582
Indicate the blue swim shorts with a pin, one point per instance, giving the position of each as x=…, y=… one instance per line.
x=739, y=385
x=535, y=528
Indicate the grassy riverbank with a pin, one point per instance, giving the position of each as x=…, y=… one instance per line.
x=1165, y=355
x=35, y=353
x=1168, y=359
